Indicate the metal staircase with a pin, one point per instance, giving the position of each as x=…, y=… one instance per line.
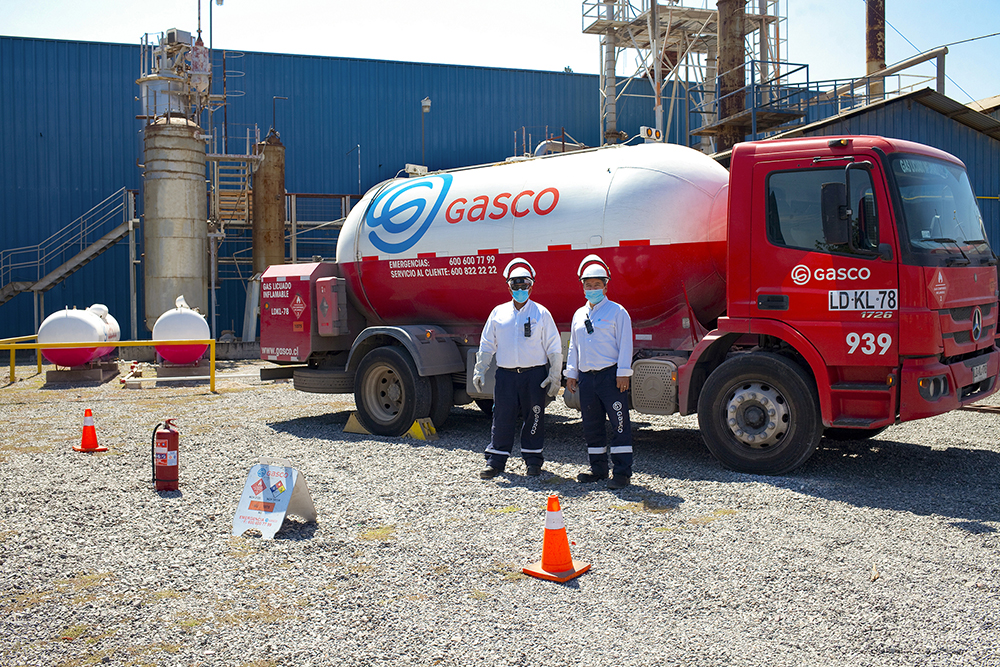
x=41, y=267
x=232, y=196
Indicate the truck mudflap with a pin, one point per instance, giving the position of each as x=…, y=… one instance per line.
x=929, y=387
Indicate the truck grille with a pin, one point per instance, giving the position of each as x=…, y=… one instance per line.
x=964, y=337
x=956, y=324
x=965, y=314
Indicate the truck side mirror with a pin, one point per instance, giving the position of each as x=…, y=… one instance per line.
x=836, y=215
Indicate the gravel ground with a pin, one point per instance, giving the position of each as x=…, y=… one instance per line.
x=881, y=552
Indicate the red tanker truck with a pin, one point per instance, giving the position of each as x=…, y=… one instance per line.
x=821, y=286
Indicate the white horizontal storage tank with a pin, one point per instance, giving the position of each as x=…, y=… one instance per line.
x=181, y=323
x=93, y=325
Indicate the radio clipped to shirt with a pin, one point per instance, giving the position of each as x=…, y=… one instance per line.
x=527, y=328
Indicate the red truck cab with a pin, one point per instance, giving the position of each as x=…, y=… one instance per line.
x=867, y=266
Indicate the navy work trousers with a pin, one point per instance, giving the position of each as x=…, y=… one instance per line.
x=518, y=396
x=600, y=397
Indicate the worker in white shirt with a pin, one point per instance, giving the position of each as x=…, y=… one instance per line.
x=599, y=362
x=524, y=338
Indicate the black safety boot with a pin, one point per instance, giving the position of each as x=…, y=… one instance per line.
x=619, y=482
x=587, y=477
x=489, y=473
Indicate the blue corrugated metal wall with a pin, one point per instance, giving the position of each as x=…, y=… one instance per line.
x=69, y=141
x=908, y=119
x=71, y=137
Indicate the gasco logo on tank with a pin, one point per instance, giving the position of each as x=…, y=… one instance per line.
x=401, y=214
x=542, y=203
x=802, y=274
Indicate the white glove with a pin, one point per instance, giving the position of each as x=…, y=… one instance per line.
x=555, y=374
x=479, y=374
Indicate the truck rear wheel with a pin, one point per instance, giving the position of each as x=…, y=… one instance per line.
x=759, y=414
x=388, y=392
x=442, y=398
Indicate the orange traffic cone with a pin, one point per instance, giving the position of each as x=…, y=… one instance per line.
x=89, y=441
x=556, y=563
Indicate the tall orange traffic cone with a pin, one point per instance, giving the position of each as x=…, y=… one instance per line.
x=556, y=563
x=89, y=441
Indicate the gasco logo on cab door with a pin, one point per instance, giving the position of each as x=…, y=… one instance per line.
x=802, y=274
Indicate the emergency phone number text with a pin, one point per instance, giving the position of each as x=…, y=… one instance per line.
x=472, y=265
x=461, y=265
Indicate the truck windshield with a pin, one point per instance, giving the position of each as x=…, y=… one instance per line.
x=942, y=223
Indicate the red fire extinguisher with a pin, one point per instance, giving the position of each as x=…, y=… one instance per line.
x=164, y=453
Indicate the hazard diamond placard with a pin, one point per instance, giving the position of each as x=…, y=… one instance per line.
x=298, y=306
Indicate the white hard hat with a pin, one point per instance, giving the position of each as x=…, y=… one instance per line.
x=593, y=266
x=519, y=268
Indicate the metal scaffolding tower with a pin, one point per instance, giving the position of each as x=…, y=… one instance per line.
x=676, y=47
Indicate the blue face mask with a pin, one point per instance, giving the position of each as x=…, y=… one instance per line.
x=520, y=295
x=594, y=296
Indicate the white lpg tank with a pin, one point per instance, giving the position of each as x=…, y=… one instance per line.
x=93, y=325
x=181, y=323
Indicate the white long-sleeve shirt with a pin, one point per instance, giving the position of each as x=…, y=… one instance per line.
x=504, y=336
x=610, y=344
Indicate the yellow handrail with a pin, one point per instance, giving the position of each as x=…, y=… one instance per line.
x=13, y=345
x=17, y=339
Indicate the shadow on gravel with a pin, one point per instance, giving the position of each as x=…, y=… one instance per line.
x=954, y=482
x=957, y=483
x=296, y=530
x=329, y=426
x=636, y=497
x=291, y=530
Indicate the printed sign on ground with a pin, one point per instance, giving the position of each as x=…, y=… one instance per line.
x=273, y=489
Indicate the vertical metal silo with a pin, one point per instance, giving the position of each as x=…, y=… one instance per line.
x=269, y=204
x=176, y=231
x=174, y=84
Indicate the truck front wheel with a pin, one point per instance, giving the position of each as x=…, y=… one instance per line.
x=388, y=392
x=759, y=414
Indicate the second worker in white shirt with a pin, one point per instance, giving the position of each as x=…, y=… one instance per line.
x=524, y=338
x=599, y=362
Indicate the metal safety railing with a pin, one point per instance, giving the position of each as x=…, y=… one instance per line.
x=15, y=344
x=788, y=98
x=70, y=239
x=32, y=263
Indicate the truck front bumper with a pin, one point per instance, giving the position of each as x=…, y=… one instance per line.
x=929, y=387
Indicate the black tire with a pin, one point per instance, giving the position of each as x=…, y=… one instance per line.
x=759, y=414
x=317, y=381
x=388, y=393
x=486, y=405
x=442, y=398
x=852, y=433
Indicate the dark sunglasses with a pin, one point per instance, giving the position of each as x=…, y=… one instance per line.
x=519, y=283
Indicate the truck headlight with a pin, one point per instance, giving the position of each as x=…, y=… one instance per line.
x=933, y=388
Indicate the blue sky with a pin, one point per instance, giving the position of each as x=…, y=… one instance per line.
x=526, y=34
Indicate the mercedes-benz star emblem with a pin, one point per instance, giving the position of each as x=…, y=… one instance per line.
x=977, y=323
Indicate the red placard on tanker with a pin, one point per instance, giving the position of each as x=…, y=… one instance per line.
x=284, y=312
